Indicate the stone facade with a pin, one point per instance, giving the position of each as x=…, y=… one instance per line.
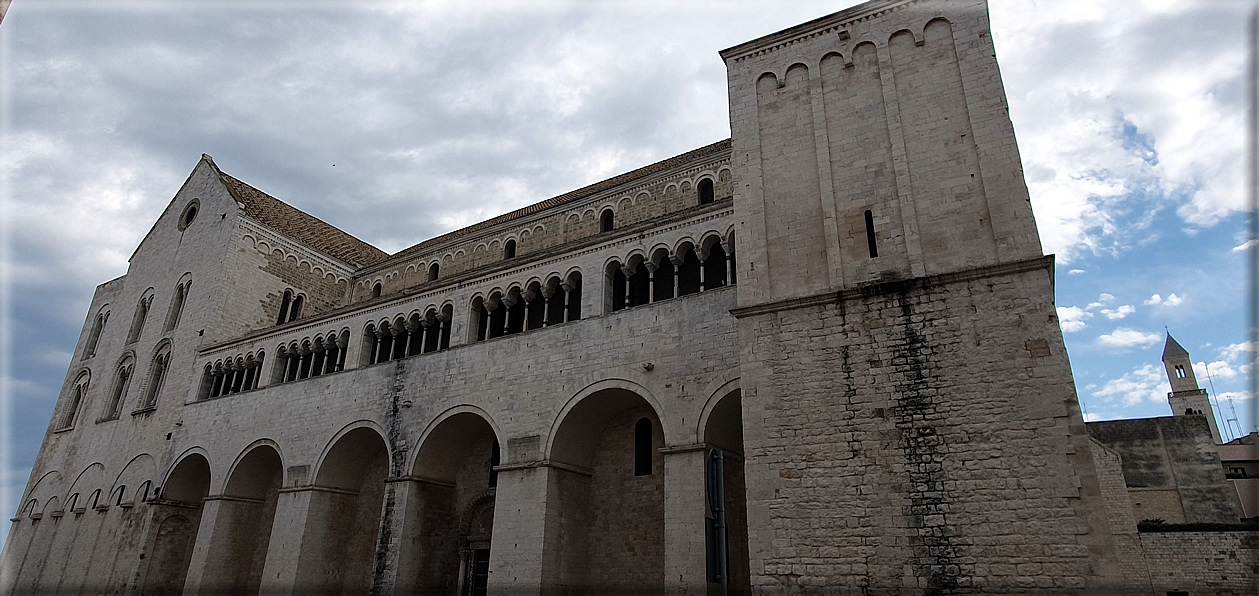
x=534, y=404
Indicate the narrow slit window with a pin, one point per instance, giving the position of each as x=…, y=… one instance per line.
x=642, y=447
x=874, y=248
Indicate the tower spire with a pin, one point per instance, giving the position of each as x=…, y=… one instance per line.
x=1186, y=398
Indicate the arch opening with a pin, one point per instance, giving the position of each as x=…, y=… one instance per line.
x=179, y=517
x=727, y=528
x=617, y=539
x=348, y=497
x=452, y=499
x=239, y=550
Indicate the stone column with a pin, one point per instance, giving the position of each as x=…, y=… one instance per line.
x=651, y=282
x=523, y=549
x=685, y=569
x=568, y=293
x=297, y=539
x=703, y=284
x=212, y=570
x=547, y=292
x=628, y=286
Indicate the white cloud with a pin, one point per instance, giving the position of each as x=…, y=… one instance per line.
x=1235, y=395
x=1127, y=338
x=1102, y=300
x=1245, y=245
x=1170, y=300
x=1115, y=314
x=1142, y=130
x=1072, y=318
x=1145, y=384
x=1218, y=369
x=1076, y=272
x=1232, y=352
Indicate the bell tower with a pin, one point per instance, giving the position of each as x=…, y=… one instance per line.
x=896, y=312
x=1186, y=398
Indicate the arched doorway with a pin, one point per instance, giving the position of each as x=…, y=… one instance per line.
x=177, y=516
x=348, y=499
x=245, y=515
x=608, y=486
x=727, y=540
x=452, y=494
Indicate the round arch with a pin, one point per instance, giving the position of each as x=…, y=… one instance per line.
x=621, y=394
x=321, y=464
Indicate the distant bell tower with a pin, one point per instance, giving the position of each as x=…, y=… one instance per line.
x=1186, y=398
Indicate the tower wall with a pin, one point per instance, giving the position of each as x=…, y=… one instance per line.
x=910, y=415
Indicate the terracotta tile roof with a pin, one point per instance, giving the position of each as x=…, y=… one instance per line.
x=299, y=225
x=581, y=193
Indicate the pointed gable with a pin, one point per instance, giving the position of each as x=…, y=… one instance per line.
x=299, y=225
x=1171, y=349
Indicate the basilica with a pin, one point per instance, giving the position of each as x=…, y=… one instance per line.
x=820, y=356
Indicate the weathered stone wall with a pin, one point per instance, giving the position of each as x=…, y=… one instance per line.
x=1171, y=468
x=920, y=435
x=626, y=527
x=1223, y=563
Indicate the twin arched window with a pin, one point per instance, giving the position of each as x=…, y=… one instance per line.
x=122, y=382
x=157, y=378
x=94, y=336
x=177, y=303
x=142, y=313
x=290, y=307
x=77, y=396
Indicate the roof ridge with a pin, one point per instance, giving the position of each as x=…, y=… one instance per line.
x=572, y=195
x=297, y=224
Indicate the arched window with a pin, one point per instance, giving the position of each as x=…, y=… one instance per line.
x=689, y=272
x=157, y=378
x=605, y=221
x=94, y=336
x=433, y=270
x=617, y=286
x=509, y=249
x=285, y=302
x=642, y=447
x=376, y=290
x=77, y=395
x=1180, y=371
x=290, y=307
x=705, y=191
x=715, y=267
x=122, y=381
x=177, y=304
x=142, y=313
x=296, y=309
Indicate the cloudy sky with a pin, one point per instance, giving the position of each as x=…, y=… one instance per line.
x=398, y=122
